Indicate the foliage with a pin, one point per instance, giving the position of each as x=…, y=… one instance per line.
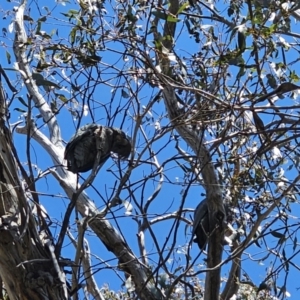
x=208, y=93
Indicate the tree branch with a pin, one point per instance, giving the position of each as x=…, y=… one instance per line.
x=103, y=229
x=19, y=47
x=196, y=142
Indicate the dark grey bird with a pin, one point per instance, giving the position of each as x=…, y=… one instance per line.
x=201, y=224
x=81, y=151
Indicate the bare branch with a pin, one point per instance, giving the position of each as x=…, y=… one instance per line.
x=86, y=265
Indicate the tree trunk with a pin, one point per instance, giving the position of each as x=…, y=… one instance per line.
x=26, y=266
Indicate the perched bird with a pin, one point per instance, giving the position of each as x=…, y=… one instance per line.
x=201, y=224
x=81, y=151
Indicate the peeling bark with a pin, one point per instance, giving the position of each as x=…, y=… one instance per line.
x=26, y=267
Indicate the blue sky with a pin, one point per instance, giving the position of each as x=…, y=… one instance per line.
x=172, y=192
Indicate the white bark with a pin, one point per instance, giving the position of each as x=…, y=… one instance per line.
x=102, y=228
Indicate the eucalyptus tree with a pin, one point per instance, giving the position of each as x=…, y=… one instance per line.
x=206, y=98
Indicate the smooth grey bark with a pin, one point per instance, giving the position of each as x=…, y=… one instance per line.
x=196, y=142
x=233, y=281
x=213, y=196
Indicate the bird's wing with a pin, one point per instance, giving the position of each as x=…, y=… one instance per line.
x=81, y=133
x=200, y=212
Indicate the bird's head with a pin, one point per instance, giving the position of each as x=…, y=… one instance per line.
x=121, y=143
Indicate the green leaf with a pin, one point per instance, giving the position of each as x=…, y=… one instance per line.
x=277, y=234
x=172, y=19
x=241, y=72
x=71, y=13
x=178, y=269
x=53, y=106
x=125, y=94
x=286, y=262
x=295, y=244
x=263, y=286
x=241, y=41
x=38, y=28
x=22, y=101
x=61, y=98
x=27, y=18
x=271, y=81
x=44, y=35
x=20, y=110
x=230, y=11
x=8, y=56
x=183, y=7
x=37, y=76
x=48, y=83
x=46, y=9
x=233, y=33
x=40, y=81
x=73, y=35
x=42, y=19
x=236, y=61
x=75, y=87
x=159, y=14
x=188, y=25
